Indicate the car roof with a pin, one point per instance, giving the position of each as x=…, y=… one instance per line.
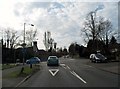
x=92, y=54
x=52, y=56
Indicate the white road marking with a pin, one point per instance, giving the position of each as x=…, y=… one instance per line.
x=64, y=67
x=72, y=72
x=68, y=67
x=62, y=64
x=72, y=59
x=53, y=71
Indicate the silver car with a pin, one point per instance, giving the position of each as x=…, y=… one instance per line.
x=53, y=61
x=98, y=58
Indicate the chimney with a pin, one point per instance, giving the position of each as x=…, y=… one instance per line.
x=35, y=48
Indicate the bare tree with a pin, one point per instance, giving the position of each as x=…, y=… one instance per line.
x=30, y=36
x=97, y=28
x=105, y=30
x=11, y=37
x=90, y=26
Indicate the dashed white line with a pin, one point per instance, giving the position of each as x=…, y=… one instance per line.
x=64, y=67
x=72, y=72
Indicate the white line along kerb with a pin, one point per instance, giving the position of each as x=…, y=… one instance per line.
x=72, y=72
x=53, y=71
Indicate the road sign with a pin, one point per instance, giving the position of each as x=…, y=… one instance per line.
x=53, y=71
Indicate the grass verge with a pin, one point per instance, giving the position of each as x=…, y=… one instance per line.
x=7, y=66
x=0, y=66
x=27, y=71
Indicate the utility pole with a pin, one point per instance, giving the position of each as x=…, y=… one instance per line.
x=24, y=44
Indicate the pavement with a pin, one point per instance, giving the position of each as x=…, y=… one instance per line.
x=111, y=67
x=11, y=82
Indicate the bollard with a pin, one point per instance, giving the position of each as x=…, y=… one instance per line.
x=31, y=66
x=22, y=70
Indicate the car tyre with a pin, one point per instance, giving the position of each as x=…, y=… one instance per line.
x=96, y=61
x=91, y=60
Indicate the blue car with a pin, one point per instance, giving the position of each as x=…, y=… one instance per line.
x=33, y=60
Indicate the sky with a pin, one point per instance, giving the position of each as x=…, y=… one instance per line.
x=63, y=18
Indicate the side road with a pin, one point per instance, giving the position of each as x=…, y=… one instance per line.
x=112, y=67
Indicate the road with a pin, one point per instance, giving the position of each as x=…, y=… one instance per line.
x=71, y=73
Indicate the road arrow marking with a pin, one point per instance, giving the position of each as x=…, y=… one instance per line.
x=53, y=71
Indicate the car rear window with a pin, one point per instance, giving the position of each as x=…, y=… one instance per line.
x=99, y=56
x=53, y=57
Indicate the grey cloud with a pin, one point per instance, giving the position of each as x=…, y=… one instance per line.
x=16, y=12
x=29, y=6
x=17, y=8
x=32, y=5
x=66, y=26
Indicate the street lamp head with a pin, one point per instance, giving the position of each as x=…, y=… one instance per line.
x=31, y=24
x=24, y=44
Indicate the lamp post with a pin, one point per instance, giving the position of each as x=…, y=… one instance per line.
x=24, y=44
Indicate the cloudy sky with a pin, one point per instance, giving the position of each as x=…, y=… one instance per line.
x=63, y=19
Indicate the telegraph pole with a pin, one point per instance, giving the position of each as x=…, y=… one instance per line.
x=24, y=44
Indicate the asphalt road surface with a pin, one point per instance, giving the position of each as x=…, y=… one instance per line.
x=71, y=73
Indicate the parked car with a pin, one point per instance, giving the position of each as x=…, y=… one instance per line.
x=98, y=57
x=33, y=60
x=53, y=61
